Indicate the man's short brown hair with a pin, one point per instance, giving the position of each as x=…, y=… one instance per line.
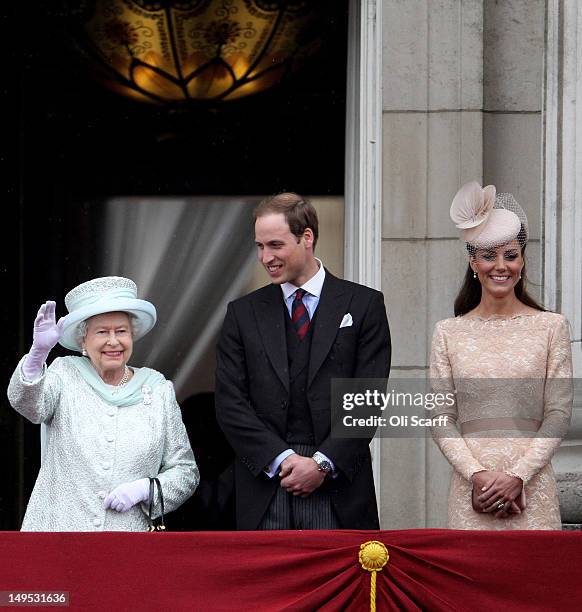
x=298, y=211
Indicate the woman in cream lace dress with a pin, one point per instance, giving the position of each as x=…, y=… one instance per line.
x=510, y=364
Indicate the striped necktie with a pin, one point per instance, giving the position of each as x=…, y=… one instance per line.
x=299, y=314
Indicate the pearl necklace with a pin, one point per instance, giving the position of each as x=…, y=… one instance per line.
x=125, y=378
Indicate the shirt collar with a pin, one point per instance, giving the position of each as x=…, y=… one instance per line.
x=313, y=286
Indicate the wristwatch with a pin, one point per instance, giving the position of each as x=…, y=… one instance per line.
x=323, y=464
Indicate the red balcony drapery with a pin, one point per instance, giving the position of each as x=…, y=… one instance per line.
x=285, y=570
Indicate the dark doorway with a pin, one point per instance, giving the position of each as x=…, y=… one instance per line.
x=76, y=144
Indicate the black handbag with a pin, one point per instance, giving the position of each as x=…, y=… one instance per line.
x=157, y=524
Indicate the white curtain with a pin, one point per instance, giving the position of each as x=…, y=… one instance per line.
x=189, y=256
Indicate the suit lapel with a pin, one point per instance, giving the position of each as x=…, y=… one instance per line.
x=269, y=315
x=333, y=305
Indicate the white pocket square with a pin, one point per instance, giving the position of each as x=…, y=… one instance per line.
x=347, y=321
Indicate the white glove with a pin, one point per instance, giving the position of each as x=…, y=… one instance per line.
x=128, y=494
x=47, y=332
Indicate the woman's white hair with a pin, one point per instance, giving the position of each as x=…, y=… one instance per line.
x=81, y=331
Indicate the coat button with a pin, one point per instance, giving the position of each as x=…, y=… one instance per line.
x=101, y=495
x=110, y=438
x=97, y=522
x=284, y=404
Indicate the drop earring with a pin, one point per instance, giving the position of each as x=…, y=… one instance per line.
x=84, y=353
x=474, y=274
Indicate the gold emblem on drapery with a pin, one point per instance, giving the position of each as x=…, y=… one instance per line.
x=373, y=556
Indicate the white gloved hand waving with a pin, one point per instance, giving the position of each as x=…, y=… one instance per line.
x=47, y=332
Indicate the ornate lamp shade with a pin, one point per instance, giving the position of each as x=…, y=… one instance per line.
x=175, y=51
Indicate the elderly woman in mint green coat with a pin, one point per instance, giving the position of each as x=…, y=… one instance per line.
x=110, y=426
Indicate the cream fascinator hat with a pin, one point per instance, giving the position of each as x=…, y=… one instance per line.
x=486, y=218
x=101, y=295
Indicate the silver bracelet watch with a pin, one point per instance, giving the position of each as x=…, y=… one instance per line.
x=323, y=464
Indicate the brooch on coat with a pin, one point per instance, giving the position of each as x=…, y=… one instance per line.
x=147, y=395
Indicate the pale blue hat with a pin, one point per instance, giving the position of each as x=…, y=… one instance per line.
x=101, y=295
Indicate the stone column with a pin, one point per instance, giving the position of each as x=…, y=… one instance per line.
x=513, y=59
x=562, y=215
x=432, y=143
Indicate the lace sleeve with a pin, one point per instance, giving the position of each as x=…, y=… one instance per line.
x=447, y=438
x=558, y=398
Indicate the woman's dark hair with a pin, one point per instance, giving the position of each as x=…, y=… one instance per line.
x=469, y=295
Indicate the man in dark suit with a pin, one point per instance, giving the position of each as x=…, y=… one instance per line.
x=279, y=349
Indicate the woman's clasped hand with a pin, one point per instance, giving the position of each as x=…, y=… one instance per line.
x=498, y=493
